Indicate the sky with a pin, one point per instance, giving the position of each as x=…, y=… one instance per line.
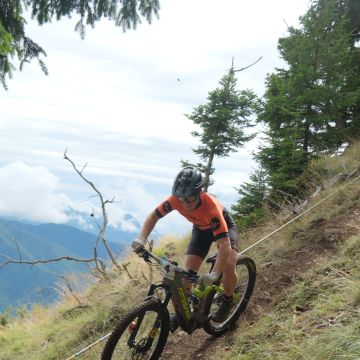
x=117, y=102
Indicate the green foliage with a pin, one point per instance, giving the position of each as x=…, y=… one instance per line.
x=126, y=13
x=5, y=42
x=249, y=210
x=14, y=42
x=311, y=107
x=168, y=250
x=222, y=121
x=6, y=316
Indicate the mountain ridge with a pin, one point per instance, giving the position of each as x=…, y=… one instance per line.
x=40, y=242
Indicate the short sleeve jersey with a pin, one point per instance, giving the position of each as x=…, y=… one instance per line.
x=208, y=215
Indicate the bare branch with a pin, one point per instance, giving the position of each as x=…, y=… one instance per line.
x=18, y=249
x=151, y=244
x=100, y=268
x=71, y=291
x=246, y=67
x=34, y=262
x=125, y=266
x=81, y=171
x=103, y=208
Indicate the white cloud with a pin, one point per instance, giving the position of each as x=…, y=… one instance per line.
x=31, y=193
x=115, y=101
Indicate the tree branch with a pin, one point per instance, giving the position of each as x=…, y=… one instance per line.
x=103, y=208
x=246, y=67
x=18, y=249
x=34, y=262
x=71, y=291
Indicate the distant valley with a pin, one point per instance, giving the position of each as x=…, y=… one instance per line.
x=25, y=284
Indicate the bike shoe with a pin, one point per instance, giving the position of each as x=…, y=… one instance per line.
x=223, y=311
x=174, y=322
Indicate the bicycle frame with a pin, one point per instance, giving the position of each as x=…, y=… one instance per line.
x=189, y=307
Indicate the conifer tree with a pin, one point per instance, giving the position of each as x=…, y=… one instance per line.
x=312, y=106
x=14, y=43
x=249, y=209
x=222, y=121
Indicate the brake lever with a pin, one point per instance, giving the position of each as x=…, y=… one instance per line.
x=192, y=276
x=145, y=255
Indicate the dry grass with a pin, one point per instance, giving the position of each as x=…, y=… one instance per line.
x=329, y=291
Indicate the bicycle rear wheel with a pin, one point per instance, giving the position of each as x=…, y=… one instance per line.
x=246, y=277
x=140, y=334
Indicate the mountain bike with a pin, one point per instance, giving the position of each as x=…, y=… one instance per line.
x=143, y=331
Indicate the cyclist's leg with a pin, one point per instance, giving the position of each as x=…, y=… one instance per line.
x=195, y=254
x=229, y=280
x=198, y=248
x=229, y=274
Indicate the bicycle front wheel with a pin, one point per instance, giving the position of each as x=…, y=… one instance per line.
x=140, y=334
x=246, y=277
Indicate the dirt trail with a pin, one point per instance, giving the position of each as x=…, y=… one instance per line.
x=270, y=288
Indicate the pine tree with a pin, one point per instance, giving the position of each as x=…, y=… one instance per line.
x=312, y=106
x=15, y=44
x=222, y=121
x=250, y=209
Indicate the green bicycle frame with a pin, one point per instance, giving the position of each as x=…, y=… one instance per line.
x=202, y=291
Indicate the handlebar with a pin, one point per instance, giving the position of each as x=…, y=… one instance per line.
x=169, y=266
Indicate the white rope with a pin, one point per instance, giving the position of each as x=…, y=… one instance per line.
x=89, y=347
x=250, y=247
x=296, y=217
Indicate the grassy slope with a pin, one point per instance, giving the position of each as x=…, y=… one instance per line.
x=317, y=316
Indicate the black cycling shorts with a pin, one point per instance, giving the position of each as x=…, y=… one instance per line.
x=201, y=240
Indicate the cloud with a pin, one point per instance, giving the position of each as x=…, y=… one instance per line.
x=31, y=193
x=115, y=101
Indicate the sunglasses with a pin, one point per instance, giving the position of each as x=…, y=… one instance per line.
x=188, y=199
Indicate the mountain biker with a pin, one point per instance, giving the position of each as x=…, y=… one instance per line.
x=211, y=222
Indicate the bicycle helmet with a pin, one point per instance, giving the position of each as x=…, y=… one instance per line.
x=188, y=182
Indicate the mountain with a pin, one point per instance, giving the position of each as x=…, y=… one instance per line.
x=25, y=284
x=90, y=223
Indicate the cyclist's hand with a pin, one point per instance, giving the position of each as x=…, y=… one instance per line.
x=208, y=278
x=138, y=244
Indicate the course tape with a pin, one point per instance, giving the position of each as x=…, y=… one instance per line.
x=88, y=347
x=242, y=252
x=303, y=213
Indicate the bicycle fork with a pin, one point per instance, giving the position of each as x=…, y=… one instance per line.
x=146, y=342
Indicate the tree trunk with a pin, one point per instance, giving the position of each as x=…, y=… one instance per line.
x=208, y=170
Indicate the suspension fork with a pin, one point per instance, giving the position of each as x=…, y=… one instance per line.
x=154, y=330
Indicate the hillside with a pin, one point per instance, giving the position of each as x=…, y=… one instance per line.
x=305, y=304
x=23, y=284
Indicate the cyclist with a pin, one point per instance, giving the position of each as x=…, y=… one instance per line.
x=211, y=222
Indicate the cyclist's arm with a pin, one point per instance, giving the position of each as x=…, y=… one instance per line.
x=223, y=254
x=148, y=225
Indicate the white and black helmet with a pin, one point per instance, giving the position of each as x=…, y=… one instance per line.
x=188, y=182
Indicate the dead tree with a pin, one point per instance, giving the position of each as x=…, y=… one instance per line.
x=99, y=267
x=103, y=202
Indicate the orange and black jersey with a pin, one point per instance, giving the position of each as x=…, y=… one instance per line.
x=207, y=215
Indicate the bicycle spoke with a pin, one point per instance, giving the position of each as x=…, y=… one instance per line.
x=139, y=335
x=246, y=276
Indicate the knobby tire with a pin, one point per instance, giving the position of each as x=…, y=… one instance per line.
x=121, y=332
x=217, y=329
